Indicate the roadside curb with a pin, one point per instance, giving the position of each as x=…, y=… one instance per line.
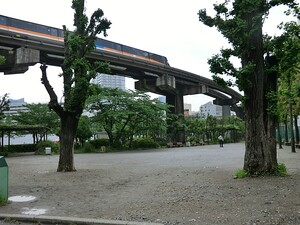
x=69, y=220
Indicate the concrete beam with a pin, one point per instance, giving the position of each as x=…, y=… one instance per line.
x=9, y=57
x=222, y=102
x=27, y=56
x=145, y=85
x=193, y=90
x=166, y=83
x=16, y=70
x=18, y=60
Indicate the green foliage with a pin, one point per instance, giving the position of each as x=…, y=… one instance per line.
x=124, y=114
x=77, y=73
x=38, y=114
x=272, y=104
x=84, y=131
x=241, y=22
x=2, y=59
x=241, y=173
x=144, y=143
x=77, y=69
x=3, y=201
x=20, y=148
x=281, y=170
x=4, y=152
x=193, y=139
x=40, y=147
x=88, y=147
x=176, y=125
x=97, y=143
x=10, y=220
x=198, y=129
x=4, y=105
x=287, y=48
x=232, y=20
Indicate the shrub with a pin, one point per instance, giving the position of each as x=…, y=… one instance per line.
x=281, y=170
x=40, y=147
x=3, y=201
x=161, y=141
x=21, y=148
x=97, y=143
x=240, y=173
x=144, y=143
x=193, y=138
x=88, y=147
x=4, y=153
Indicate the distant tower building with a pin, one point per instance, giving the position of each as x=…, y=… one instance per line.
x=16, y=105
x=187, y=109
x=110, y=81
x=162, y=99
x=209, y=109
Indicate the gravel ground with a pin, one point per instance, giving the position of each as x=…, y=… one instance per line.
x=188, y=185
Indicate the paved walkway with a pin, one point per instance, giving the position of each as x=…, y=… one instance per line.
x=32, y=169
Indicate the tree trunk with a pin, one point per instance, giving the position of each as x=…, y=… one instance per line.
x=279, y=136
x=69, y=123
x=292, y=128
x=296, y=129
x=286, y=133
x=260, y=155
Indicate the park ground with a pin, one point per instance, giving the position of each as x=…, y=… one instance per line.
x=187, y=185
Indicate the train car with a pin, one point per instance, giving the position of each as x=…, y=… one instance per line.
x=33, y=31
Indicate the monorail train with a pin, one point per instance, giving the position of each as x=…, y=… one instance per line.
x=34, y=31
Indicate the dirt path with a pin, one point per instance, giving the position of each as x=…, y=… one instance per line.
x=192, y=185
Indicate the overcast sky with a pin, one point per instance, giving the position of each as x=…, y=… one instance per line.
x=166, y=27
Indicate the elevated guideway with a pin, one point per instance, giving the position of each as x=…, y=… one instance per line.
x=157, y=78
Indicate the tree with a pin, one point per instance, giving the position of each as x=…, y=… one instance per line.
x=38, y=114
x=2, y=59
x=287, y=48
x=211, y=127
x=4, y=105
x=125, y=114
x=84, y=130
x=176, y=126
x=195, y=128
x=4, y=101
x=241, y=23
x=77, y=71
x=149, y=119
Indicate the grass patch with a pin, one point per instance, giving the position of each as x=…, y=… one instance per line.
x=3, y=202
x=9, y=220
x=240, y=173
x=281, y=170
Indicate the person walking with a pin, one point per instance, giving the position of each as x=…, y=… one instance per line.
x=221, y=140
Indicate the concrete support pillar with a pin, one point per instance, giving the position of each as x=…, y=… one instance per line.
x=176, y=100
x=226, y=111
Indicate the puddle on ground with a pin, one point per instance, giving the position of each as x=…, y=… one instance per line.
x=33, y=211
x=22, y=198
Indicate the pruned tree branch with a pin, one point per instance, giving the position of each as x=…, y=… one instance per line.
x=53, y=103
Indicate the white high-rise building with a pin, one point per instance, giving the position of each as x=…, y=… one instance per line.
x=16, y=105
x=209, y=109
x=109, y=81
